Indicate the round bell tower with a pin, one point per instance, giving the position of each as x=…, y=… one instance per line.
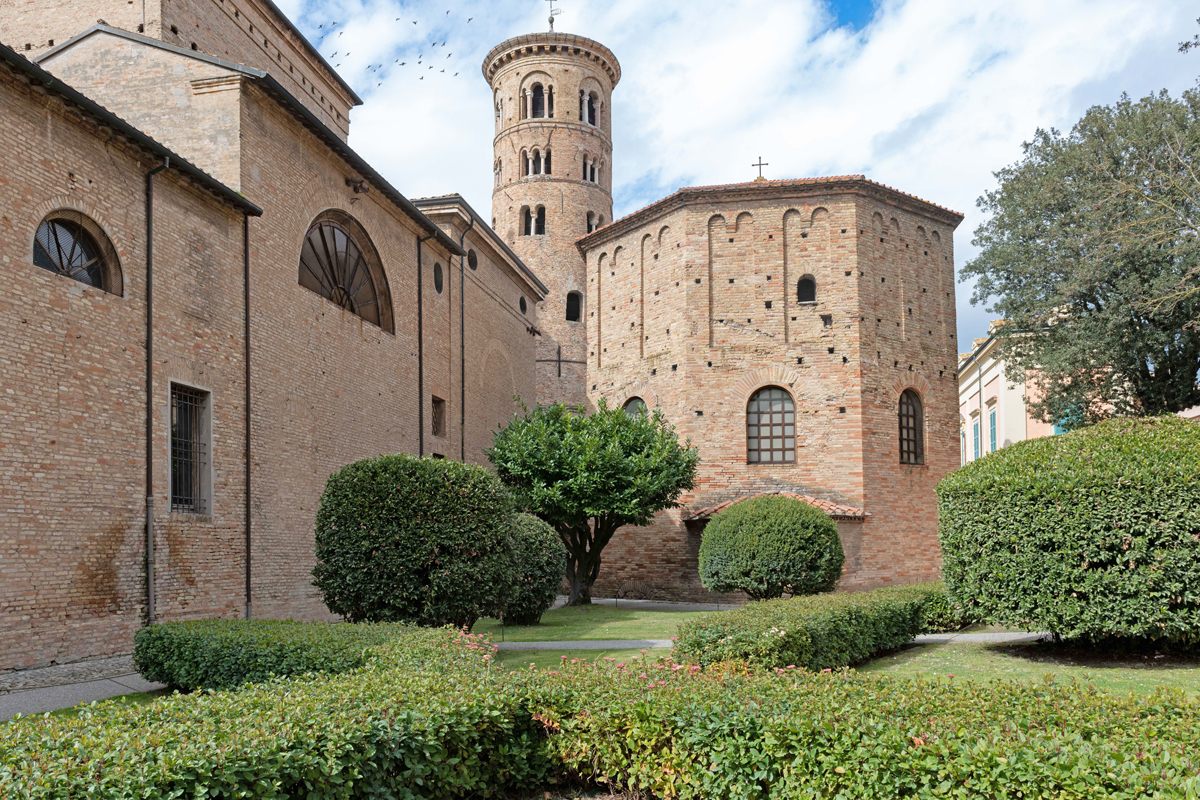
x=551, y=96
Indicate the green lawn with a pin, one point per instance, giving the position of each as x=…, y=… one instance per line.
x=1035, y=660
x=591, y=622
x=549, y=659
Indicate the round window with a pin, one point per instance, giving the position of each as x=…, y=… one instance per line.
x=437, y=277
x=472, y=260
x=524, y=305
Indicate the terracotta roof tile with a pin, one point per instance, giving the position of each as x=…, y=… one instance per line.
x=835, y=510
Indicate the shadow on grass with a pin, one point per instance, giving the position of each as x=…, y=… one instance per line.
x=1069, y=655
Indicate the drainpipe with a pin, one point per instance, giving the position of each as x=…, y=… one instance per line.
x=462, y=343
x=246, y=338
x=150, y=615
x=421, y=350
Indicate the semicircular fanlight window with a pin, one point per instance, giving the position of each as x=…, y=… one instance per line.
x=64, y=245
x=333, y=265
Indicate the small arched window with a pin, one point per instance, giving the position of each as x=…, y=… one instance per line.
x=634, y=406
x=539, y=101
x=540, y=225
x=548, y=162
x=536, y=161
x=526, y=166
x=69, y=244
x=770, y=427
x=526, y=222
x=574, y=306
x=339, y=262
x=592, y=102
x=591, y=221
x=912, y=428
x=550, y=101
x=806, y=290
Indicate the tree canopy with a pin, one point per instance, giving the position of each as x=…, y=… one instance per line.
x=588, y=475
x=1090, y=255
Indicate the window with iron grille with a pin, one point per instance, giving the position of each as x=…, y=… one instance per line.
x=912, y=434
x=439, y=417
x=770, y=427
x=191, y=445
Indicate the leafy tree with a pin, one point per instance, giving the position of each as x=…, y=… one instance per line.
x=1090, y=254
x=588, y=475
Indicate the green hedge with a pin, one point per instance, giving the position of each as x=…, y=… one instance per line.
x=769, y=546
x=428, y=717
x=540, y=566
x=819, y=632
x=405, y=539
x=223, y=654
x=1091, y=535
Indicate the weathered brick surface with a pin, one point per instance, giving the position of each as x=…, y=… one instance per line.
x=72, y=393
x=241, y=31
x=566, y=65
x=327, y=387
x=693, y=307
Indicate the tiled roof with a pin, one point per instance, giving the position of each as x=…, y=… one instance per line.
x=835, y=510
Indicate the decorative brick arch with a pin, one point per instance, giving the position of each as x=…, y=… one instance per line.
x=754, y=380
x=637, y=389
x=65, y=202
x=917, y=382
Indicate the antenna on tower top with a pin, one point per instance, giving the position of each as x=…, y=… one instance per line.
x=554, y=12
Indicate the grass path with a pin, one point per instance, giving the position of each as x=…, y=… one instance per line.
x=591, y=622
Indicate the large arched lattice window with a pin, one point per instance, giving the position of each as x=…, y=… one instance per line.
x=539, y=101
x=912, y=428
x=574, y=306
x=770, y=427
x=339, y=262
x=634, y=406
x=806, y=290
x=72, y=245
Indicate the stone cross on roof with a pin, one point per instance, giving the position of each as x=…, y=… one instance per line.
x=760, y=165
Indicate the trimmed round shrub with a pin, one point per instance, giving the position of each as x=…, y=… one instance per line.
x=1093, y=535
x=421, y=540
x=771, y=545
x=540, y=565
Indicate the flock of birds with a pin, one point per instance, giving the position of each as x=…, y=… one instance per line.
x=328, y=29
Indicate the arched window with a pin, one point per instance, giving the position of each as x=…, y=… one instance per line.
x=912, y=428
x=526, y=222
x=536, y=161
x=339, y=262
x=70, y=244
x=547, y=162
x=806, y=290
x=550, y=101
x=593, y=173
x=770, y=427
x=592, y=102
x=437, y=277
x=539, y=101
x=526, y=167
x=540, y=227
x=574, y=306
x=634, y=406
x=591, y=221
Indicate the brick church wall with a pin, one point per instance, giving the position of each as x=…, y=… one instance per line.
x=694, y=308
x=72, y=389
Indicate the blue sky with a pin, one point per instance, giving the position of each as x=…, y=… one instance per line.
x=928, y=96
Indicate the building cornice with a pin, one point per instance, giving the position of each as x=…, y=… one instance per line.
x=544, y=44
x=770, y=190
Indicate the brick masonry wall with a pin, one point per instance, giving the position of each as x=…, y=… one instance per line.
x=32, y=27
x=566, y=65
x=696, y=308
x=72, y=388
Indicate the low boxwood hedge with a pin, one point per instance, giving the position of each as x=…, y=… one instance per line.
x=222, y=654
x=818, y=632
x=1093, y=535
x=428, y=717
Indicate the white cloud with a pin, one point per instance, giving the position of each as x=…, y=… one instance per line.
x=931, y=97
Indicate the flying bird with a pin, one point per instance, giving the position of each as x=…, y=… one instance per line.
x=414, y=22
x=422, y=77
x=450, y=55
x=456, y=75
x=470, y=18
x=443, y=70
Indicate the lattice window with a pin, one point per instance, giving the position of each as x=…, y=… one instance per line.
x=770, y=427
x=339, y=262
x=191, y=442
x=912, y=434
x=72, y=245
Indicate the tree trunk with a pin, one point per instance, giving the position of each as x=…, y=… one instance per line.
x=582, y=570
